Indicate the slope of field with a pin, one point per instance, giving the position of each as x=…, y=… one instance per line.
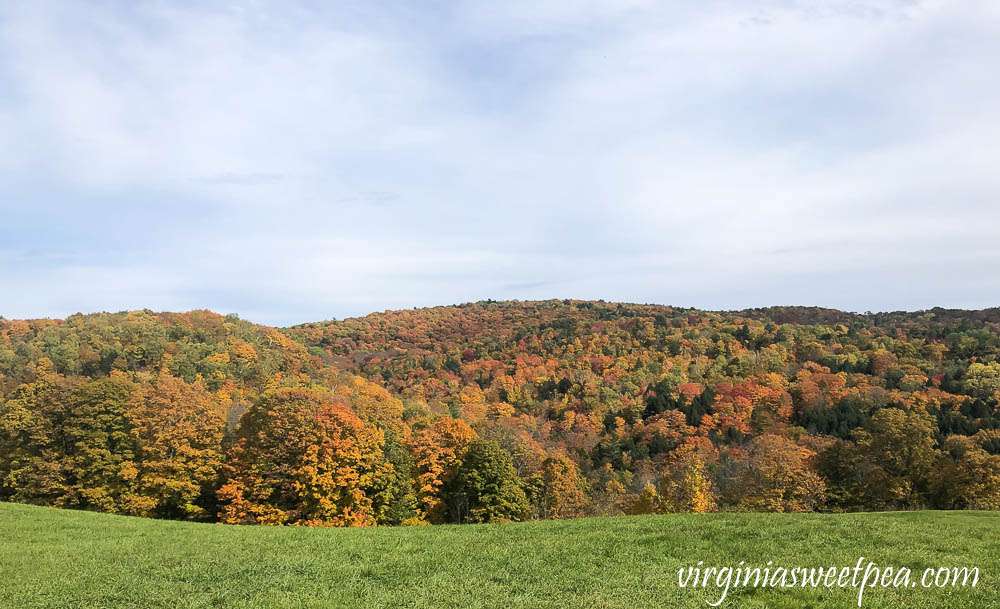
x=56, y=558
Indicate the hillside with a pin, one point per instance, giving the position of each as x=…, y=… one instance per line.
x=58, y=558
x=498, y=411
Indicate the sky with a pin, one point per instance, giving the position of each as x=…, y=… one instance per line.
x=299, y=161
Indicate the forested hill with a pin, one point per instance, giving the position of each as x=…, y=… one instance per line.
x=501, y=411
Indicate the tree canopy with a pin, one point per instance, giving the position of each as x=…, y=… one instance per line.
x=501, y=411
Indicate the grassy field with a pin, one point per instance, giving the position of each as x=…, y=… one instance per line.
x=55, y=558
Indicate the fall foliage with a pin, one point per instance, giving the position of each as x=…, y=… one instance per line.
x=498, y=411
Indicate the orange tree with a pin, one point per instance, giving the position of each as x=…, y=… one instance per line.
x=302, y=457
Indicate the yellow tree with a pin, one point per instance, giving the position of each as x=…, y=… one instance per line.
x=373, y=404
x=969, y=477
x=686, y=485
x=437, y=451
x=562, y=493
x=775, y=475
x=897, y=455
x=178, y=428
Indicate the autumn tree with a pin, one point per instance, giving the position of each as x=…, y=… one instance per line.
x=100, y=460
x=562, y=489
x=372, y=403
x=647, y=501
x=686, y=485
x=178, y=428
x=32, y=453
x=898, y=453
x=437, y=452
x=301, y=457
x=775, y=475
x=888, y=465
x=967, y=476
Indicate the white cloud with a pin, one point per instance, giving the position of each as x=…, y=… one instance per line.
x=304, y=162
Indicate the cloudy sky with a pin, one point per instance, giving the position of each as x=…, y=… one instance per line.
x=300, y=161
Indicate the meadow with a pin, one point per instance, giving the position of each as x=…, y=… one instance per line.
x=74, y=559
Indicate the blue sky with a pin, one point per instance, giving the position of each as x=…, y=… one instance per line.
x=299, y=161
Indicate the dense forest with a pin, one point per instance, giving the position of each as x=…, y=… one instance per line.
x=499, y=411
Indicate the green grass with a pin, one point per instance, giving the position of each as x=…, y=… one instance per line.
x=56, y=558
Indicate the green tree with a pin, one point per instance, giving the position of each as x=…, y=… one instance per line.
x=402, y=506
x=486, y=487
x=983, y=380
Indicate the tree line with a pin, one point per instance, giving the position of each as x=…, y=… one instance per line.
x=501, y=411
